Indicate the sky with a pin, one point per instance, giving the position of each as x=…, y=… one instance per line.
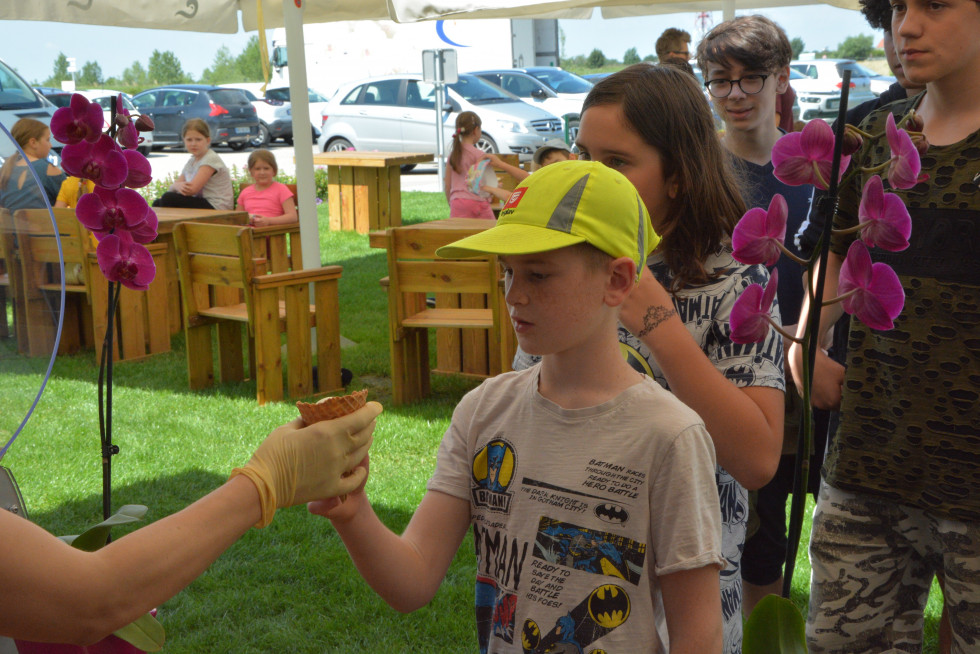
x=31, y=47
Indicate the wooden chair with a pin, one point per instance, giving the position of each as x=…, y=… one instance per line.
x=211, y=258
x=414, y=271
x=40, y=280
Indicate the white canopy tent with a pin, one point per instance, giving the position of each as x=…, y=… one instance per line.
x=222, y=16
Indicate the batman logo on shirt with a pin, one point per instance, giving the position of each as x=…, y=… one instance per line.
x=612, y=513
x=609, y=606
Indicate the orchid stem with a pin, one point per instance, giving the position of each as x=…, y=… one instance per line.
x=840, y=298
x=785, y=334
x=105, y=408
x=876, y=169
x=849, y=230
x=788, y=253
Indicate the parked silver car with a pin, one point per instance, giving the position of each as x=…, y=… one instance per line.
x=18, y=100
x=396, y=113
x=819, y=94
x=535, y=92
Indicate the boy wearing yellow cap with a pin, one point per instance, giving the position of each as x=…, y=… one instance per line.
x=595, y=527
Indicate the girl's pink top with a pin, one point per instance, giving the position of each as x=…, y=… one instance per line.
x=266, y=203
x=458, y=188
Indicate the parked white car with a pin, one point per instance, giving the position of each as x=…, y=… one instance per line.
x=18, y=100
x=317, y=103
x=104, y=98
x=535, y=92
x=819, y=94
x=397, y=113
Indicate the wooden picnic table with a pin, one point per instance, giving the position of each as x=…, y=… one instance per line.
x=458, y=351
x=169, y=218
x=364, y=188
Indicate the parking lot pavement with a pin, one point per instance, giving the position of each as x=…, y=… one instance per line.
x=164, y=162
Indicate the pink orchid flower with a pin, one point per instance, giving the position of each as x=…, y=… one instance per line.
x=146, y=231
x=873, y=292
x=750, y=313
x=121, y=260
x=102, y=162
x=759, y=234
x=81, y=120
x=139, y=173
x=885, y=221
x=805, y=157
x=126, y=133
x=106, y=211
x=905, y=166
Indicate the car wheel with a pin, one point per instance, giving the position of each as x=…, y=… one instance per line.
x=288, y=140
x=238, y=145
x=262, y=139
x=145, y=150
x=339, y=145
x=487, y=145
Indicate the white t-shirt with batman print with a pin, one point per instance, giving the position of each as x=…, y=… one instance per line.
x=576, y=512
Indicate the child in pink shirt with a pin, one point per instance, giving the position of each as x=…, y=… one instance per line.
x=267, y=201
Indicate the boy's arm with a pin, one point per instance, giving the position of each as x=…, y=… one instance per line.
x=405, y=570
x=746, y=424
x=692, y=608
x=828, y=375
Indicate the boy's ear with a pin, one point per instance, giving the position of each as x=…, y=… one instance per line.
x=622, y=277
x=782, y=79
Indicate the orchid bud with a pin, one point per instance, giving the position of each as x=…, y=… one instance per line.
x=914, y=123
x=144, y=123
x=122, y=120
x=921, y=144
x=852, y=143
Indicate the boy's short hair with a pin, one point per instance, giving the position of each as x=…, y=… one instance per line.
x=753, y=41
x=564, y=204
x=878, y=13
x=548, y=147
x=671, y=41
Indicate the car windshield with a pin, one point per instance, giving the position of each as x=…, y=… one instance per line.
x=856, y=70
x=14, y=92
x=479, y=91
x=228, y=96
x=561, y=81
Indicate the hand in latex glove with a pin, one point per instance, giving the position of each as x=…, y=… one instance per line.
x=296, y=464
x=341, y=508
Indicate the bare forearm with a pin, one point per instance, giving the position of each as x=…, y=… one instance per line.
x=123, y=580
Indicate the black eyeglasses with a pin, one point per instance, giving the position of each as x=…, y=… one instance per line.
x=749, y=84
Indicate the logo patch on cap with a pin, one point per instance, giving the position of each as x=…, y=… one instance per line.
x=515, y=198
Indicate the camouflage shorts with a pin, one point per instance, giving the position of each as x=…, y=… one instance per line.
x=873, y=563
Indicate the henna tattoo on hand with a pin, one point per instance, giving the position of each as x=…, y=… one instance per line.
x=654, y=317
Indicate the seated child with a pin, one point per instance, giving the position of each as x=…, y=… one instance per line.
x=72, y=189
x=595, y=526
x=267, y=201
x=205, y=182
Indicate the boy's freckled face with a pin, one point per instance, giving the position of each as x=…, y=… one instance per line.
x=555, y=299
x=743, y=111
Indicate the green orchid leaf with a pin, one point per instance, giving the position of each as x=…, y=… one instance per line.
x=146, y=633
x=95, y=538
x=775, y=627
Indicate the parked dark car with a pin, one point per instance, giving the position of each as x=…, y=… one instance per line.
x=57, y=97
x=227, y=112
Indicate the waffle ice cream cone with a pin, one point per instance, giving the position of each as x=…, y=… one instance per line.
x=332, y=407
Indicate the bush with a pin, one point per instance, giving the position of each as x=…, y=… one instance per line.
x=159, y=186
x=596, y=59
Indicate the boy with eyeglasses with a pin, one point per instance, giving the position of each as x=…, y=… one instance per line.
x=746, y=65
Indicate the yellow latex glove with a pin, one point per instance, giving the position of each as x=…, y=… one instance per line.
x=297, y=464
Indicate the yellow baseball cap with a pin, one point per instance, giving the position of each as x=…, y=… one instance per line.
x=564, y=204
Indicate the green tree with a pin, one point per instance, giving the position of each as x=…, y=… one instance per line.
x=91, y=74
x=135, y=75
x=249, y=62
x=165, y=68
x=650, y=58
x=631, y=57
x=60, y=72
x=798, y=46
x=856, y=47
x=223, y=69
x=596, y=59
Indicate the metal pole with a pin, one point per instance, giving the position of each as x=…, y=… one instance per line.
x=440, y=132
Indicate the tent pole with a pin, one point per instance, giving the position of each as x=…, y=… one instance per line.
x=299, y=95
x=727, y=9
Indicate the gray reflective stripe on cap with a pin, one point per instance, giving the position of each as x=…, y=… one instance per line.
x=564, y=214
x=641, y=235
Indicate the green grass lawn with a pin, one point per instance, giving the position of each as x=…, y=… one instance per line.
x=289, y=587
